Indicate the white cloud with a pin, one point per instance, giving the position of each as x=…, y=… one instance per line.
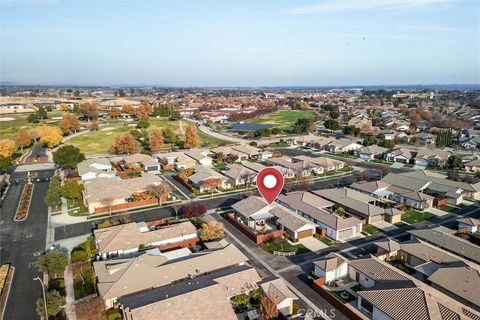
x=344, y=5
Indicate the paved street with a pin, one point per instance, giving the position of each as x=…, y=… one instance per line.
x=21, y=245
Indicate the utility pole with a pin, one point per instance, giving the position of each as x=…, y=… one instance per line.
x=44, y=297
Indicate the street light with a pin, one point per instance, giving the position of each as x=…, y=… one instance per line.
x=44, y=297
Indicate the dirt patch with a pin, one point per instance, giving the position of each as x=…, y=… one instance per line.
x=4, y=119
x=91, y=309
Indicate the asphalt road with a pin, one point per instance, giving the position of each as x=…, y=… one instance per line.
x=21, y=244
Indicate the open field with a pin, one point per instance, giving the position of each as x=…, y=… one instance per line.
x=99, y=142
x=9, y=129
x=283, y=119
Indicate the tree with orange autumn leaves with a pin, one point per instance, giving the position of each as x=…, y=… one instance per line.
x=156, y=140
x=125, y=144
x=69, y=123
x=51, y=136
x=7, y=148
x=192, y=139
x=24, y=138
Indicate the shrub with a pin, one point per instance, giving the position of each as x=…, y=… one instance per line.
x=58, y=285
x=79, y=256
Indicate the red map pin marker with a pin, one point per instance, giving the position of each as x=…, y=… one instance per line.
x=270, y=183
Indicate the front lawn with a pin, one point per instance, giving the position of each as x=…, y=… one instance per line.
x=448, y=208
x=284, y=246
x=337, y=294
x=371, y=229
x=413, y=216
x=114, y=314
x=84, y=283
x=76, y=207
x=400, y=224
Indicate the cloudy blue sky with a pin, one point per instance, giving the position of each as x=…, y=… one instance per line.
x=240, y=43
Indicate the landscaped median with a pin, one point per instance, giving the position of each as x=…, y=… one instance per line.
x=6, y=278
x=280, y=245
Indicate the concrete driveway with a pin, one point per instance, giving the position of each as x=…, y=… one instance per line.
x=436, y=211
x=384, y=225
x=397, y=165
x=313, y=244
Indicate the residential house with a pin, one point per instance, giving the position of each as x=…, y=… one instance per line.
x=122, y=277
x=176, y=160
x=278, y=292
x=372, y=152
x=293, y=168
x=401, y=155
x=127, y=238
x=203, y=174
x=101, y=193
x=376, y=189
x=240, y=175
x=253, y=152
x=255, y=213
x=402, y=137
x=432, y=158
x=327, y=164
x=95, y=168
x=388, y=293
x=343, y=145
x=319, y=211
x=182, y=300
x=423, y=138
x=444, y=238
x=387, y=249
x=200, y=156
x=353, y=202
x=254, y=166
x=473, y=166
x=228, y=152
x=414, y=199
x=468, y=225
x=332, y=267
x=143, y=161
x=387, y=134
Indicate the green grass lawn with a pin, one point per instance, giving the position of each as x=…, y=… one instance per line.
x=448, y=208
x=84, y=284
x=9, y=129
x=400, y=224
x=283, y=119
x=98, y=142
x=114, y=314
x=284, y=246
x=337, y=295
x=327, y=241
x=371, y=229
x=76, y=207
x=414, y=216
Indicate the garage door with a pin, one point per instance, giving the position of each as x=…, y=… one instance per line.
x=304, y=234
x=347, y=233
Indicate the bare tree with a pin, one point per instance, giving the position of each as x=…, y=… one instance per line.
x=159, y=191
x=107, y=202
x=384, y=170
x=176, y=207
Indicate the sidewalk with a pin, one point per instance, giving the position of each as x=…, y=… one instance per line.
x=70, y=298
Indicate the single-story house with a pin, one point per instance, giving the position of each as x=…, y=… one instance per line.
x=402, y=155
x=203, y=174
x=376, y=189
x=95, y=168
x=126, y=238
x=176, y=160
x=200, y=156
x=326, y=163
x=387, y=134
x=228, y=151
x=353, y=202
x=253, y=152
x=415, y=199
x=433, y=158
x=254, y=166
x=470, y=225
x=332, y=267
x=423, y=138
x=343, y=145
x=102, y=193
x=473, y=166
x=143, y=161
x=122, y=277
x=319, y=211
x=240, y=175
x=300, y=167
x=255, y=213
x=278, y=292
x=372, y=152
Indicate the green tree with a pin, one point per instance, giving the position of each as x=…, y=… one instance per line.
x=303, y=125
x=168, y=135
x=276, y=131
x=42, y=113
x=143, y=123
x=55, y=303
x=72, y=190
x=79, y=256
x=5, y=163
x=52, y=198
x=33, y=118
x=53, y=262
x=67, y=157
x=455, y=162
x=239, y=302
x=332, y=124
